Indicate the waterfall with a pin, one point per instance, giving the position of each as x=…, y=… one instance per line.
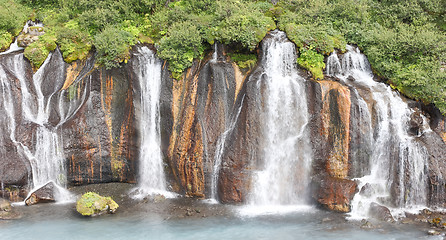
x=151, y=168
x=397, y=177
x=283, y=178
x=219, y=154
x=47, y=158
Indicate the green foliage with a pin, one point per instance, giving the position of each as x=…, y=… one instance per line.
x=404, y=40
x=91, y=204
x=243, y=22
x=227, y=21
x=74, y=43
x=38, y=51
x=312, y=61
x=113, y=46
x=13, y=16
x=244, y=60
x=180, y=46
x=5, y=39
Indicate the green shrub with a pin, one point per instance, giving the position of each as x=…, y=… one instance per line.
x=74, y=43
x=38, y=51
x=113, y=46
x=244, y=60
x=180, y=46
x=5, y=39
x=13, y=16
x=312, y=61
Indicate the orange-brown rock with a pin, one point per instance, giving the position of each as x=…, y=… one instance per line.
x=335, y=194
x=335, y=127
x=99, y=139
x=202, y=106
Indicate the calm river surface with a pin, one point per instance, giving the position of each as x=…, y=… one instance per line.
x=60, y=222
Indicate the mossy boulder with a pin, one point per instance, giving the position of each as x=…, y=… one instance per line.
x=92, y=204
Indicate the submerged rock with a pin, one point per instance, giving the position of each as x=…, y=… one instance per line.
x=42, y=195
x=92, y=204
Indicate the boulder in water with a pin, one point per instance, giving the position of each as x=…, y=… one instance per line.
x=92, y=204
x=42, y=195
x=336, y=194
x=380, y=212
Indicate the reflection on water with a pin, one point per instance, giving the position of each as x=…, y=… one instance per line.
x=298, y=225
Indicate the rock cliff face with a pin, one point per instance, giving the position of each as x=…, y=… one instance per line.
x=203, y=102
x=210, y=129
x=99, y=141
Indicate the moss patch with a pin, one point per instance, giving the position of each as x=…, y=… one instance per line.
x=93, y=204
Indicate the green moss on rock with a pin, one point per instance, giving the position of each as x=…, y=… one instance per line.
x=93, y=204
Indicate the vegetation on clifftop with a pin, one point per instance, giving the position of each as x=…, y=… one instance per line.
x=404, y=40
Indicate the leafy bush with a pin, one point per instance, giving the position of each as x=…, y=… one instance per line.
x=38, y=51
x=244, y=60
x=74, y=43
x=312, y=61
x=13, y=16
x=180, y=46
x=5, y=39
x=113, y=46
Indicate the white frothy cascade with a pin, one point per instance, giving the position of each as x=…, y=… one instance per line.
x=151, y=167
x=397, y=177
x=283, y=179
x=47, y=159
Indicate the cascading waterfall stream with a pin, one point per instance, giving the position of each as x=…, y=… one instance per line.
x=151, y=168
x=283, y=179
x=47, y=160
x=397, y=177
x=219, y=154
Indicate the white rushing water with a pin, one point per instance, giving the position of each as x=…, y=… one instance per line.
x=47, y=159
x=15, y=46
x=397, y=177
x=283, y=180
x=151, y=167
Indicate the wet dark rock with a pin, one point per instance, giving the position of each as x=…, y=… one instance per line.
x=437, y=168
x=42, y=195
x=242, y=144
x=416, y=123
x=380, y=212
